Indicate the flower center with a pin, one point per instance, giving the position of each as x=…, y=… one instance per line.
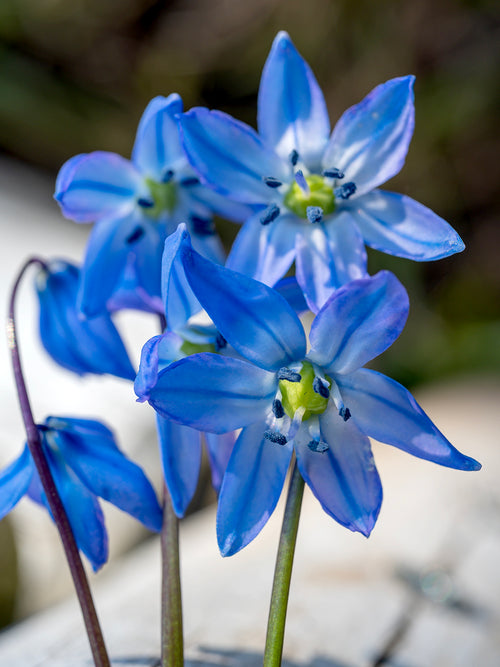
x=163, y=198
x=188, y=348
x=304, y=394
x=317, y=194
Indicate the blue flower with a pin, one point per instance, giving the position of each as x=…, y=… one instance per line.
x=136, y=203
x=80, y=345
x=85, y=463
x=321, y=404
x=317, y=193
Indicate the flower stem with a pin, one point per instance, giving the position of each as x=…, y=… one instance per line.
x=283, y=571
x=172, y=651
x=80, y=581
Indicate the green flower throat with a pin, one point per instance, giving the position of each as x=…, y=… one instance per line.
x=295, y=395
x=320, y=194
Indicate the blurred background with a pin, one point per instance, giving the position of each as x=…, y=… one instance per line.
x=76, y=76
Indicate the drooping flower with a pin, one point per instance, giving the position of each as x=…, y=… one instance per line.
x=85, y=463
x=135, y=204
x=321, y=404
x=317, y=193
x=80, y=345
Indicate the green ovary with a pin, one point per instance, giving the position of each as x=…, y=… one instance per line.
x=301, y=394
x=320, y=194
x=164, y=196
x=188, y=348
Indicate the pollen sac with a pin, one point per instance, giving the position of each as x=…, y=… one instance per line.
x=318, y=446
x=302, y=394
x=319, y=195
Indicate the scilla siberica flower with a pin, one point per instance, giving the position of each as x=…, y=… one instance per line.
x=86, y=464
x=135, y=204
x=317, y=193
x=323, y=404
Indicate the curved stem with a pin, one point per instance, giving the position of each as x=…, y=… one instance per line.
x=80, y=581
x=283, y=571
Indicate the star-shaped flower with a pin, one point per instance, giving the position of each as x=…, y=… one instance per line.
x=317, y=193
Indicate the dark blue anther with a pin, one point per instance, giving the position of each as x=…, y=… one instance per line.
x=333, y=173
x=318, y=446
x=345, y=413
x=290, y=376
x=345, y=190
x=294, y=157
x=272, y=182
x=167, y=176
x=202, y=226
x=135, y=235
x=278, y=410
x=314, y=213
x=144, y=202
x=220, y=342
x=189, y=181
x=276, y=437
x=270, y=214
x=320, y=387
x=301, y=181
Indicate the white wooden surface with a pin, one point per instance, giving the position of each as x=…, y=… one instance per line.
x=423, y=591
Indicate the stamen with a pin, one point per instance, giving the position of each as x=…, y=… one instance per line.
x=345, y=413
x=220, y=342
x=272, y=182
x=333, y=173
x=189, y=181
x=278, y=410
x=318, y=446
x=345, y=190
x=167, y=176
x=145, y=202
x=276, y=437
x=135, y=235
x=301, y=182
x=320, y=387
x=314, y=214
x=294, y=157
x=202, y=226
x=270, y=214
x=287, y=374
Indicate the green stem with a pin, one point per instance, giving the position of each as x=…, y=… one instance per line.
x=283, y=571
x=172, y=651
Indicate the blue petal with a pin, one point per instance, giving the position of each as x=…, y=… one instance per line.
x=328, y=256
x=400, y=226
x=292, y=113
x=371, y=139
x=180, y=448
x=359, y=322
x=252, y=317
x=157, y=144
x=213, y=393
x=80, y=345
x=15, y=480
x=250, y=489
x=219, y=448
x=104, y=470
x=230, y=156
x=221, y=205
x=344, y=478
x=96, y=185
x=156, y=354
x=290, y=290
x=264, y=252
x=386, y=411
x=129, y=294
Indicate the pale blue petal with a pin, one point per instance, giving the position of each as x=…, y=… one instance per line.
x=252, y=317
x=96, y=185
x=156, y=354
x=213, y=393
x=359, y=322
x=15, y=480
x=370, y=141
x=400, y=226
x=230, y=156
x=292, y=113
x=221, y=205
x=344, y=478
x=180, y=449
x=386, y=411
x=157, y=144
x=328, y=255
x=264, y=252
x=250, y=489
x=219, y=449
